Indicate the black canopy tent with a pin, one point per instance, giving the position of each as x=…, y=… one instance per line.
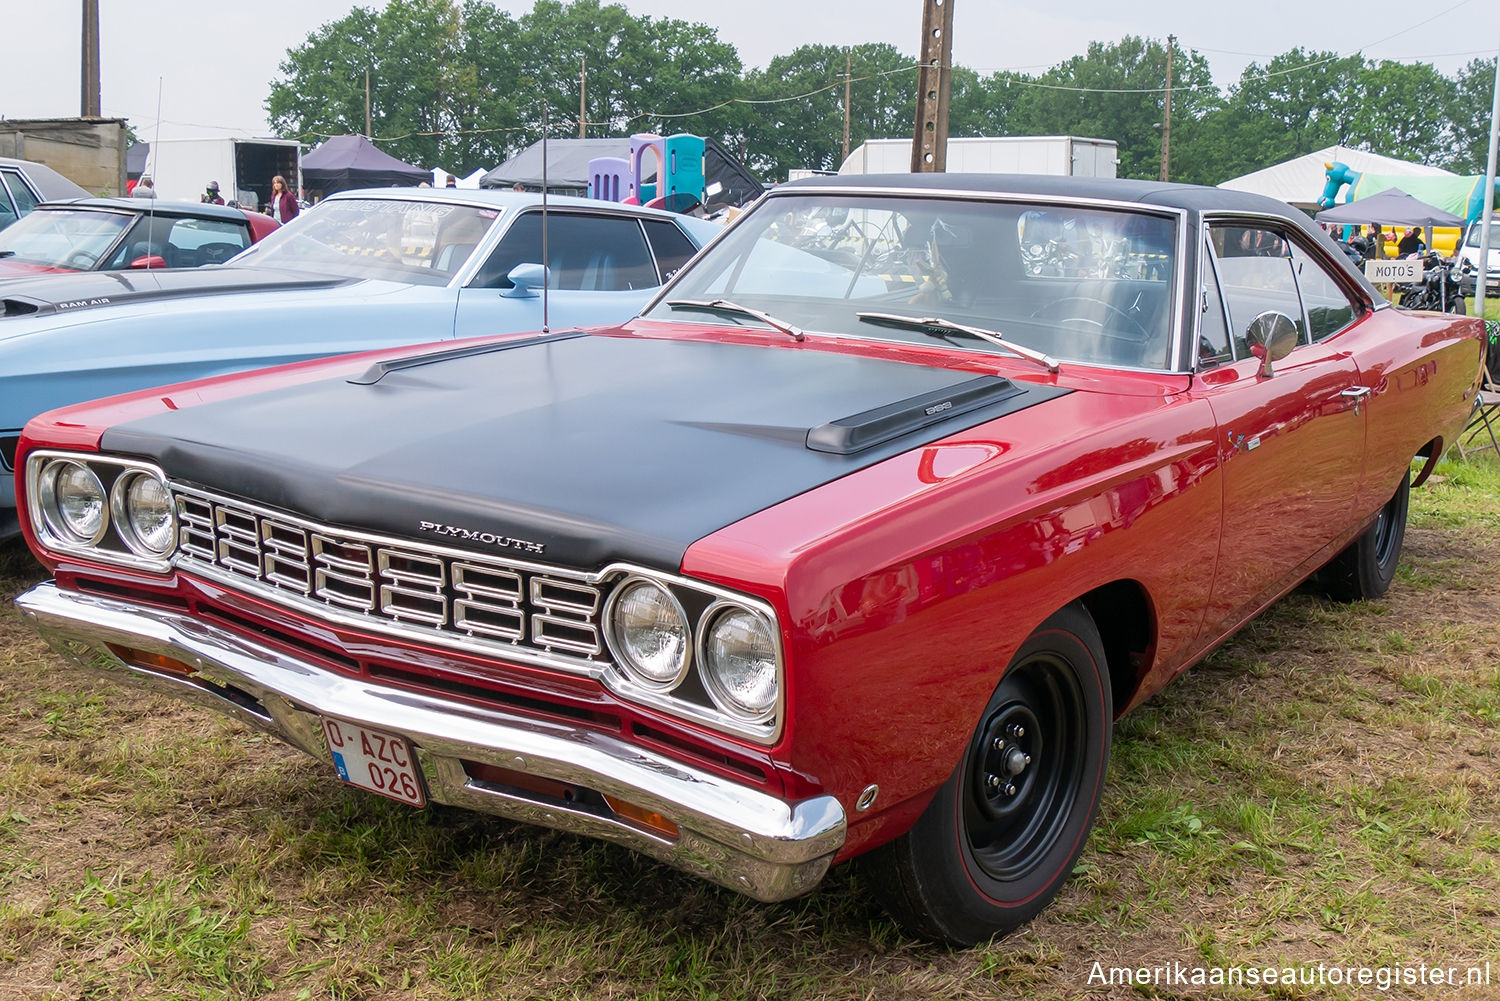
x=568, y=170
x=345, y=162
x=1391, y=207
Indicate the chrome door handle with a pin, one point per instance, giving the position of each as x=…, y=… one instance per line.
x=1357, y=394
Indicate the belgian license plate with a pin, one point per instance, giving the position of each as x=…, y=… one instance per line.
x=378, y=762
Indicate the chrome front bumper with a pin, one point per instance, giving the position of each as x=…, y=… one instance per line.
x=734, y=835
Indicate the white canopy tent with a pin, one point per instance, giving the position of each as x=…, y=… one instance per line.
x=1299, y=182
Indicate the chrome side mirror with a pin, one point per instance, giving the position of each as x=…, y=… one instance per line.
x=525, y=279
x=1271, y=336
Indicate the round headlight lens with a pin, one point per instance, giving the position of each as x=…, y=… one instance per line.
x=73, y=502
x=649, y=633
x=151, y=525
x=739, y=654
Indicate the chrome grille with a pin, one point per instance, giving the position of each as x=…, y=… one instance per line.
x=391, y=585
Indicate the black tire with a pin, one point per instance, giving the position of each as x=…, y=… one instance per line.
x=1365, y=569
x=981, y=861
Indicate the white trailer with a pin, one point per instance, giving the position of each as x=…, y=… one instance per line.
x=181, y=168
x=1060, y=155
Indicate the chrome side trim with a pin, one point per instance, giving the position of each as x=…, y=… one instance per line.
x=732, y=834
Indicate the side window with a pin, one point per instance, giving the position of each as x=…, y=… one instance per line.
x=671, y=247
x=25, y=200
x=1255, y=271
x=195, y=242
x=1213, y=333
x=1329, y=308
x=585, y=253
x=7, y=211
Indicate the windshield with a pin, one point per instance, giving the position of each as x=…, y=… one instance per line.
x=1083, y=284
x=72, y=239
x=423, y=243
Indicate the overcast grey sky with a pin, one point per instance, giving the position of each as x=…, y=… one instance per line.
x=215, y=61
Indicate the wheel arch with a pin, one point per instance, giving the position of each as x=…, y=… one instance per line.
x=1125, y=616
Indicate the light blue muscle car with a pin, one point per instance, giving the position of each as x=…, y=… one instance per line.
x=362, y=269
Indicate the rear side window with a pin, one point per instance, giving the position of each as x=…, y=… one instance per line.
x=670, y=245
x=1329, y=308
x=584, y=253
x=7, y=210
x=24, y=199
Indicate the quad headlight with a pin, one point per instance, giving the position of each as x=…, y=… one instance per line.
x=739, y=665
x=116, y=510
x=649, y=632
x=142, y=507
x=73, y=501
x=696, y=650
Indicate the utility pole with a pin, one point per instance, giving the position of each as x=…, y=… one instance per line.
x=89, y=95
x=1486, y=220
x=583, y=90
x=929, y=145
x=1166, y=114
x=367, y=103
x=847, y=63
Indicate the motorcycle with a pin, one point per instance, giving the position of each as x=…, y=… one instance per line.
x=1441, y=287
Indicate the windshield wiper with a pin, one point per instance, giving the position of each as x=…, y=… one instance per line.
x=735, y=309
x=938, y=327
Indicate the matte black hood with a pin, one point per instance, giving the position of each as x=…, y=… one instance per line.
x=596, y=448
x=92, y=290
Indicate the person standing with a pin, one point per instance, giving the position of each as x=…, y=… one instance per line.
x=211, y=194
x=144, y=189
x=283, y=204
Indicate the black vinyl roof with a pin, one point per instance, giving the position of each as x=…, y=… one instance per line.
x=160, y=206
x=1192, y=197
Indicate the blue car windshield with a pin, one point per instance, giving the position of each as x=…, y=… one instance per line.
x=418, y=242
x=71, y=239
x=1084, y=283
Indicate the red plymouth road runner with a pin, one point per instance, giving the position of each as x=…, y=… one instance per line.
x=854, y=543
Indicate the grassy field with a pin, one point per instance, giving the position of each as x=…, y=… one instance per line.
x=1323, y=790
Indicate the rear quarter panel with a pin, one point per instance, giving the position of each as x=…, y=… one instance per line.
x=1423, y=370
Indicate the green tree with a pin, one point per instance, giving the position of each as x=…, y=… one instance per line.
x=983, y=106
x=808, y=131
x=1473, y=99
x=1403, y=112
x=643, y=73
x=465, y=85
x=411, y=51
x=1116, y=91
x=1297, y=103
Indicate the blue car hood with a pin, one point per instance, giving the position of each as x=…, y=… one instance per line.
x=99, y=290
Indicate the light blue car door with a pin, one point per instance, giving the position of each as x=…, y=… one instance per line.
x=600, y=271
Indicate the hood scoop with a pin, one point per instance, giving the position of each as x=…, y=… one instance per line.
x=857, y=432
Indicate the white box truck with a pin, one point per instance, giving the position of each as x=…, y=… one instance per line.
x=181, y=168
x=1061, y=155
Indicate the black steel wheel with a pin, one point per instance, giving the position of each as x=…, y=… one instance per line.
x=1001, y=835
x=1366, y=568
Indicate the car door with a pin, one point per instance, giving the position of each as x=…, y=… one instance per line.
x=600, y=268
x=1291, y=444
